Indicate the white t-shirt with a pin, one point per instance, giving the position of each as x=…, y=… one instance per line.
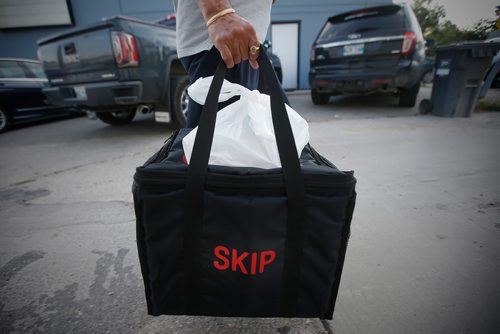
x=192, y=37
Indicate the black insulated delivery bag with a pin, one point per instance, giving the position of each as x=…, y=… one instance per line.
x=242, y=241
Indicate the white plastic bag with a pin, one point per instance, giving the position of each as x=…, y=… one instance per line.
x=244, y=133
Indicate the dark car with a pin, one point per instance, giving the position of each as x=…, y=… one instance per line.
x=21, y=97
x=376, y=49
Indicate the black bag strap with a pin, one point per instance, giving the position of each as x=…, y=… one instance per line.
x=294, y=186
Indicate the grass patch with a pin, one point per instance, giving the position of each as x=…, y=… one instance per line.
x=484, y=105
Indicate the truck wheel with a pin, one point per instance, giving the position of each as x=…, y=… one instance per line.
x=5, y=120
x=117, y=117
x=319, y=98
x=181, y=101
x=408, y=97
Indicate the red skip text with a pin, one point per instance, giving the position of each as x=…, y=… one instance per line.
x=247, y=263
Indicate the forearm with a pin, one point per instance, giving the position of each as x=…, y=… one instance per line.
x=211, y=7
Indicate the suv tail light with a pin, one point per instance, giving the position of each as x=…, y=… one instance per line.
x=313, y=52
x=124, y=49
x=409, y=41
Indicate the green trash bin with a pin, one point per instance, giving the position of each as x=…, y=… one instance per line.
x=459, y=73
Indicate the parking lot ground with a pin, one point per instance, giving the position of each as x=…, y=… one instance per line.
x=423, y=255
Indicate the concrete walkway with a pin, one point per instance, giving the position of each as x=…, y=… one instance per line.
x=423, y=258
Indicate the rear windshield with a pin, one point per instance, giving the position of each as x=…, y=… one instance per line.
x=362, y=22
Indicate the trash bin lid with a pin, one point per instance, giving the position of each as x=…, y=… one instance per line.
x=478, y=49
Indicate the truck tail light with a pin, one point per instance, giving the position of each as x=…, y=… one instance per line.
x=313, y=52
x=124, y=49
x=409, y=41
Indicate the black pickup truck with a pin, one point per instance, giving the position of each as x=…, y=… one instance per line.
x=116, y=68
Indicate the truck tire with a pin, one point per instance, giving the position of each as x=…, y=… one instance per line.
x=319, y=98
x=117, y=117
x=181, y=100
x=408, y=97
x=5, y=120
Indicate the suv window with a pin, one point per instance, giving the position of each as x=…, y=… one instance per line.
x=11, y=69
x=362, y=21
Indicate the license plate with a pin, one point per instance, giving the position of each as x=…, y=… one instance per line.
x=354, y=49
x=162, y=116
x=80, y=92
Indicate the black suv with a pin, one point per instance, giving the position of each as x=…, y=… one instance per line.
x=377, y=49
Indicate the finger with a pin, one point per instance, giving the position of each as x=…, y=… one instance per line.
x=236, y=53
x=245, y=55
x=254, y=64
x=254, y=51
x=226, y=56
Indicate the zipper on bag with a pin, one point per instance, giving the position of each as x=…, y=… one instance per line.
x=159, y=179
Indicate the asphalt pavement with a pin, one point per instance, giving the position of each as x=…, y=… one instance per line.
x=423, y=255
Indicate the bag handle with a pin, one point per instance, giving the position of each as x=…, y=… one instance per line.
x=293, y=179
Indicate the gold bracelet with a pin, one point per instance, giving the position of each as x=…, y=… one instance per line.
x=219, y=15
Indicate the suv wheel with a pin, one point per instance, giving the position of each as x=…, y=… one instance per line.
x=181, y=100
x=408, y=97
x=319, y=98
x=428, y=77
x=117, y=117
x=5, y=121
